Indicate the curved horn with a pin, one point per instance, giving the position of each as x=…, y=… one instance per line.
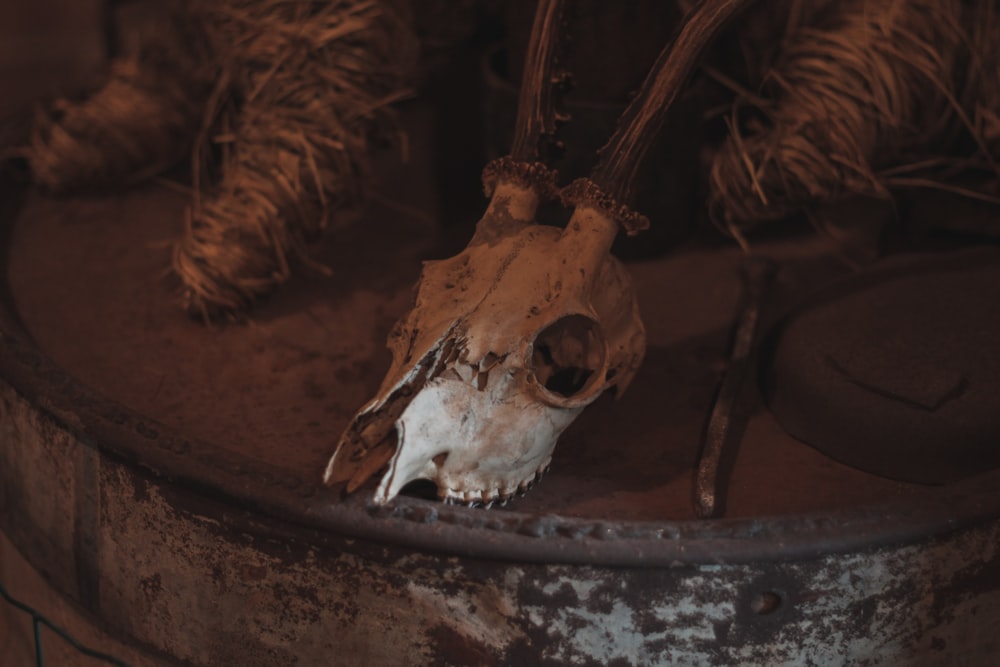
x=521, y=179
x=609, y=188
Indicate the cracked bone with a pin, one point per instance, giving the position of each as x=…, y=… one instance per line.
x=506, y=344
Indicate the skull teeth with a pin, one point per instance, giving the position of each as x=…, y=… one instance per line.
x=529, y=483
x=476, y=498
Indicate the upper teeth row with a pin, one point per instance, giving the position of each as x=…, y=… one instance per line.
x=477, y=498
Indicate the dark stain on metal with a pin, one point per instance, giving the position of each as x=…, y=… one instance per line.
x=977, y=578
x=85, y=527
x=453, y=648
x=765, y=603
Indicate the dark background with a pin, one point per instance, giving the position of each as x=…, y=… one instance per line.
x=47, y=45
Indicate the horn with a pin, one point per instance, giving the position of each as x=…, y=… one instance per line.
x=520, y=180
x=608, y=190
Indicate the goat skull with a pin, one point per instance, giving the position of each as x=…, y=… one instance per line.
x=507, y=342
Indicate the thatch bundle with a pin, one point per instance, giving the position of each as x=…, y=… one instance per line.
x=981, y=94
x=860, y=96
x=309, y=82
x=143, y=120
x=276, y=102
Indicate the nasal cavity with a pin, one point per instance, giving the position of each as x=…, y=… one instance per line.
x=424, y=489
x=567, y=354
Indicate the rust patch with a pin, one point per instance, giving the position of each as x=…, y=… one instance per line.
x=453, y=648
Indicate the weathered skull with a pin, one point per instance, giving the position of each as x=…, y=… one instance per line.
x=507, y=342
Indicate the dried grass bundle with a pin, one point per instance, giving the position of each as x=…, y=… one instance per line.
x=307, y=84
x=140, y=122
x=856, y=87
x=981, y=94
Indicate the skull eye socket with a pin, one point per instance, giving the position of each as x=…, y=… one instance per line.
x=567, y=359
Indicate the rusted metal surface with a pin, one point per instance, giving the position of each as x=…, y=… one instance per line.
x=212, y=583
x=190, y=550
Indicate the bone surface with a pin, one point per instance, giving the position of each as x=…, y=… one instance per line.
x=507, y=342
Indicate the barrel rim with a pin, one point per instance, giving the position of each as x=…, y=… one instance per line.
x=147, y=446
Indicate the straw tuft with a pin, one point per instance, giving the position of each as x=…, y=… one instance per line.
x=277, y=103
x=309, y=84
x=140, y=122
x=856, y=91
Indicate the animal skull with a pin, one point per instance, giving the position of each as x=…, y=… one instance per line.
x=507, y=342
